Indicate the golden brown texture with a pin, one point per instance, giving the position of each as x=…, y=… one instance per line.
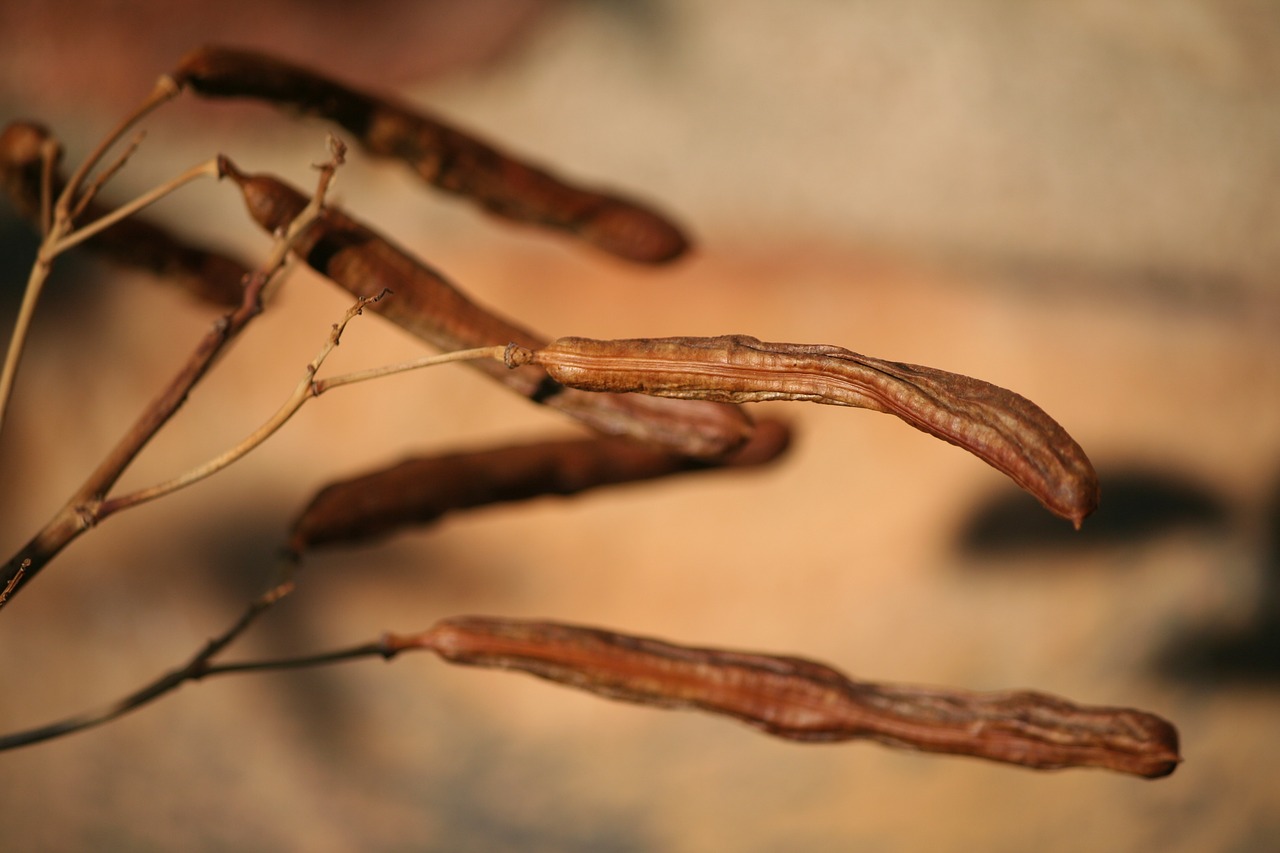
x=803, y=700
x=1002, y=428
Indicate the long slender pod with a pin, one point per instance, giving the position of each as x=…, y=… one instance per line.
x=418, y=492
x=440, y=154
x=804, y=700
x=424, y=303
x=1006, y=430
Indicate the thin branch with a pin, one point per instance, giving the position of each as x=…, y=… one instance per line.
x=50, y=154
x=378, y=648
x=307, y=388
x=13, y=583
x=29, y=159
x=91, y=192
x=207, y=169
x=165, y=90
x=60, y=224
x=304, y=391
x=195, y=668
x=17, y=341
x=322, y=385
x=82, y=510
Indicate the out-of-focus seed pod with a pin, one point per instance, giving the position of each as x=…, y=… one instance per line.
x=440, y=154
x=417, y=492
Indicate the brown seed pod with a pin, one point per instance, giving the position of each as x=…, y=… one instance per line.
x=424, y=303
x=803, y=700
x=209, y=276
x=1000, y=427
x=417, y=492
x=441, y=155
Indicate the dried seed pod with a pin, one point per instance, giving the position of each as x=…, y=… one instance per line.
x=1004, y=429
x=807, y=701
x=424, y=303
x=21, y=145
x=205, y=274
x=418, y=492
x=442, y=155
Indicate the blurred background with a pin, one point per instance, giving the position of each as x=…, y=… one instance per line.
x=1074, y=200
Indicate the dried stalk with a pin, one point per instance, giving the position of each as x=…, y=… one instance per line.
x=1000, y=427
x=363, y=263
x=320, y=386
x=71, y=198
x=85, y=507
x=307, y=389
x=104, y=177
x=60, y=225
x=197, y=667
x=207, y=169
x=25, y=168
x=418, y=492
x=441, y=155
x=59, y=231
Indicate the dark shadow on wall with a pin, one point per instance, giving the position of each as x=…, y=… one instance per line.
x=1138, y=505
x=1249, y=652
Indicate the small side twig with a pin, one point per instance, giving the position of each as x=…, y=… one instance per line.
x=59, y=225
x=50, y=154
x=13, y=583
x=164, y=91
x=304, y=391
x=307, y=389
x=82, y=509
x=103, y=177
x=207, y=169
x=29, y=159
x=197, y=667
x=497, y=353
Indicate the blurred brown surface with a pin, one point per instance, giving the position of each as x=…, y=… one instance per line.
x=1071, y=200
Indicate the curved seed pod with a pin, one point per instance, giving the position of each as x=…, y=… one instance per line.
x=807, y=701
x=417, y=492
x=132, y=242
x=363, y=263
x=440, y=154
x=1007, y=431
